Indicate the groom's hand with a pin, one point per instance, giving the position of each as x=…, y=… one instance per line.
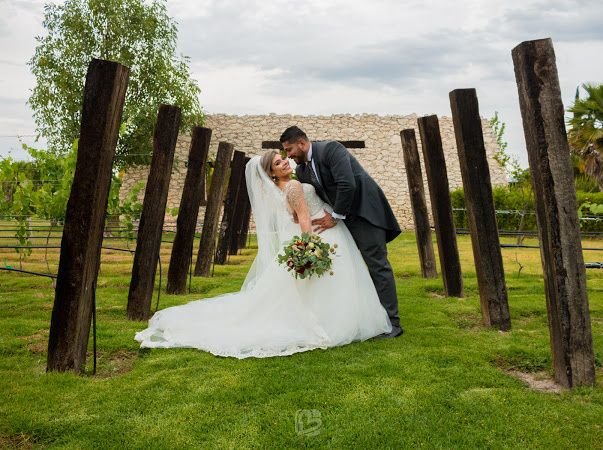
x=324, y=223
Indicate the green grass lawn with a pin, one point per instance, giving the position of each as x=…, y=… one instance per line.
x=443, y=384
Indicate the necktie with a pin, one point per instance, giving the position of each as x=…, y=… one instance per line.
x=313, y=176
x=314, y=180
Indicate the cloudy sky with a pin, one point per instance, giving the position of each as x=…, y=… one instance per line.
x=335, y=56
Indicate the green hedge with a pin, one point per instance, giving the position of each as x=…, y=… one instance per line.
x=511, y=201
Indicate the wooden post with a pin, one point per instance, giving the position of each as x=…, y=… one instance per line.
x=102, y=108
x=439, y=193
x=480, y=208
x=212, y=211
x=227, y=227
x=239, y=213
x=189, y=210
x=418, y=203
x=202, y=181
x=148, y=241
x=556, y=212
x=246, y=223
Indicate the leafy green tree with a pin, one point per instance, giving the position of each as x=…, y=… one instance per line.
x=498, y=128
x=520, y=184
x=125, y=213
x=49, y=195
x=586, y=131
x=507, y=161
x=9, y=174
x=136, y=33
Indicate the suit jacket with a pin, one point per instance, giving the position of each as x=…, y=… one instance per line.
x=347, y=187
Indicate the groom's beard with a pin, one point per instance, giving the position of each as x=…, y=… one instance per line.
x=301, y=159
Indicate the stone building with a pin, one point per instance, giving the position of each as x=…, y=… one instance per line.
x=378, y=137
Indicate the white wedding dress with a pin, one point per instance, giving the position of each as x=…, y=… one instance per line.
x=275, y=314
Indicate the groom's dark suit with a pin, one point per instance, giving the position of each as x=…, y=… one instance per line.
x=350, y=190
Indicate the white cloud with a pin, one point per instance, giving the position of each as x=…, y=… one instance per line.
x=336, y=56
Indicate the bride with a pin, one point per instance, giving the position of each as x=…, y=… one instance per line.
x=275, y=314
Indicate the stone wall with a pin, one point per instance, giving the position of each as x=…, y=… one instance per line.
x=382, y=157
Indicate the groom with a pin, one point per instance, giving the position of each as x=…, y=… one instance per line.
x=357, y=200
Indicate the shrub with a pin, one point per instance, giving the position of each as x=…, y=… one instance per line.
x=513, y=201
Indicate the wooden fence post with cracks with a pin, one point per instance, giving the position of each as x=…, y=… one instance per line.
x=556, y=212
x=239, y=214
x=212, y=210
x=103, y=102
x=245, y=226
x=228, y=226
x=480, y=208
x=441, y=207
x=148, y=241
x=418, y=203
x=192, y=194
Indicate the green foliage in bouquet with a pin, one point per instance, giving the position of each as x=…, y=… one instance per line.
x=307, y=255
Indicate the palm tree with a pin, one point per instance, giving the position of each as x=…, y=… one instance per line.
x=586, y=131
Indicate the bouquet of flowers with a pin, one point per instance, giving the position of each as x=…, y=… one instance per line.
x=307, y=255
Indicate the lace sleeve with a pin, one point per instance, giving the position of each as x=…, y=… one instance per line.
x=294, y=193
x=296, y=202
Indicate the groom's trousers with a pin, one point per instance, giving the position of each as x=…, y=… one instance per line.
x=371, y=242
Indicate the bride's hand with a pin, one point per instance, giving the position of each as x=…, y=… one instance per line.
x=324, y=223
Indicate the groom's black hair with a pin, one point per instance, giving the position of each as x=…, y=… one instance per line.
x=293, y=134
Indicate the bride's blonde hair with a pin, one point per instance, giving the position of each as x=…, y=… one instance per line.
x=266, y=162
